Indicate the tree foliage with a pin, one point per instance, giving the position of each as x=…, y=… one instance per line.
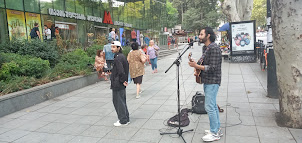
x=199, y=13
x=259, y=12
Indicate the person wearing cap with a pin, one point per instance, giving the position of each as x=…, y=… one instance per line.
x=109, y=56
x=119, y=78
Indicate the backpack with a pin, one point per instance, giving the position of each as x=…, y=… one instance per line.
x=33, y=33
x=184, y=119
x=198, y=101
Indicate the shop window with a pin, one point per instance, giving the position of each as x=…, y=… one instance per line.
x=32, y=6
x=70, y=5
x=15, y=4
x=2, y=3
x=58, y=4
x=49, y=22
x=3, y=26
x=16, y=24
x=79, y=7
x=82, y=36
x=45, y=5
x=31, y=19
x=67, y=31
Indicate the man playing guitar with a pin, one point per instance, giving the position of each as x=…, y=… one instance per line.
x=210, y=65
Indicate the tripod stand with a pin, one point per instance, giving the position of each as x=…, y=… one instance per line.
x=179, y=131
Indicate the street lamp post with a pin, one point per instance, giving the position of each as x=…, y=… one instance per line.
x=272, y=83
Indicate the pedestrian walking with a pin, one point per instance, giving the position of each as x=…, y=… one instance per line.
x=210, y=64
x=35, y=33
x=133, y=36
x=47, y=33
x=109, y=55
x=169, y=42
x=100, y=64
x=119, y=79
x=147, y=40
x=136, y=60
x=152, y=52
x=141, y=36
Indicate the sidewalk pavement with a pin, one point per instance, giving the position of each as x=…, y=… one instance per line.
x=87, y=115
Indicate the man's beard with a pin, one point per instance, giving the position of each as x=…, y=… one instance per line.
x=203, y=40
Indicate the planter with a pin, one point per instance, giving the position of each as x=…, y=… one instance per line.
x=16, y=101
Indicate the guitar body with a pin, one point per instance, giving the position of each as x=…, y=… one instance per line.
x=197, y=72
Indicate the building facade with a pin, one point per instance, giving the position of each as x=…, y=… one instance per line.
x=79, y=21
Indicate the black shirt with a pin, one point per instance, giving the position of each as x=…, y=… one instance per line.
x=120, y=72
x=34, y=32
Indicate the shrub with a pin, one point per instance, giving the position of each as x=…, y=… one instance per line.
x=44, y=50
x=73, y=63
x=16, y=83
x=17, y=65
x=91, y=51
x=126, y=50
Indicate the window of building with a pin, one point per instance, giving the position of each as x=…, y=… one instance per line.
x=32, y=6
x=15, y=4
x=3, y=26
x=79, y=7
x=70, y=5
x=88, y=11
x=45, y=5
x=58, y=4
x=2, y=3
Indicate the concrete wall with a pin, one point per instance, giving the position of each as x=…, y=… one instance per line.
x=19, y=100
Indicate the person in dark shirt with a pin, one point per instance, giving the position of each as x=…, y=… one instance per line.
x=53, y=31
x=35, y=33
x=211, y=78
x=119, y=78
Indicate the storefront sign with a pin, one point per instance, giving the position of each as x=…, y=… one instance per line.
x=107, y=18
x=243, y=37
x=67, y=14
x=122, y=24
x=16, y=24
x=31, y=19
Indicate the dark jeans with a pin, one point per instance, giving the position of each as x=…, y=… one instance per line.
x=120, y=105
x=109, y=64
x=134, y=40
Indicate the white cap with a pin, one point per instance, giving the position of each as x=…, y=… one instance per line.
x=116, y=43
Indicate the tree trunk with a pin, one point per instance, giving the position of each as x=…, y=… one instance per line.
x=237, y=10
x=287, y=43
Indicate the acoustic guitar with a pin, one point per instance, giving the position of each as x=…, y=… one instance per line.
x=197, y=72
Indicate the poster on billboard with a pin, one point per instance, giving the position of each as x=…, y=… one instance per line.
x=16, y=24
x=31, y=19
x=243, y=38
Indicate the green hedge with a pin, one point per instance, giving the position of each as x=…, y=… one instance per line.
x=44, y=50
x=18, y=65
x=91, y=51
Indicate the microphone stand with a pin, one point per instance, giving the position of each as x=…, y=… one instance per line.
x=177, y=62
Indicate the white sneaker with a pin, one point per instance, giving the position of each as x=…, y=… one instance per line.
x=211, y=137
x=141, y=91
x=117, y=124
x=220, y=133
x=137, y=96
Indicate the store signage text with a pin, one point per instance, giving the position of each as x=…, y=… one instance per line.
x=122, y=24
x=62, y=13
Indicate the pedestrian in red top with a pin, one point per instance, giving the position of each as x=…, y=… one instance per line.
x=133, y=35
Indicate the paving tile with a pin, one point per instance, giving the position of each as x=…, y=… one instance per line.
x=297, y=134
x=265, y=121
x=16, y=114
x=142, y=114
x=13, y=135
x=64, y=110
x=97, y=131
x=278, y=133
x=88, y=120
x=3, y=130
x=69, y=119
x=14, y=123
x=162, y=115
x=74, y=129
x=136, y=123
x=112, y=141
x=155, y=124
x=239, y=139
x=242, y=130
x=81, y=139
x=32, y=137
x=108, y=121
x=32, y=126
x=57, y=138
x=52, y=127
x=264, y=113
x=50, y=117
x=121, y=133
x=147, y=135
x=244, y=120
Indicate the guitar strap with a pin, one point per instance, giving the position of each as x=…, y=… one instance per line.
x=203, y=56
